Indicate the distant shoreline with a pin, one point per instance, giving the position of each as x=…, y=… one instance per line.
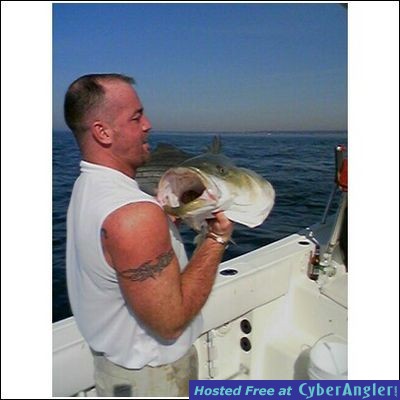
x=266, y=132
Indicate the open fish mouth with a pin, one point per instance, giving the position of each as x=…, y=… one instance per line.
x=182, y=188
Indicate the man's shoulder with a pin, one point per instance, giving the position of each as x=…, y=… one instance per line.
x=143, y=221
x=141, y=212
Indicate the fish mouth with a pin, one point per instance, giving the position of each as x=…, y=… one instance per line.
x=182, y=189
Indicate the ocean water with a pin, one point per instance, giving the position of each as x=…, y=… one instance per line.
x=300, y=166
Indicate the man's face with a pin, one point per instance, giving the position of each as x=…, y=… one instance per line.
x=130, y=127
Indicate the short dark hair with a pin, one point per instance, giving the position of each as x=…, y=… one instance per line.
x=85, y=94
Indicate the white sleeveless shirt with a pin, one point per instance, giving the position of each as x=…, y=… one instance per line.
x=106, y=322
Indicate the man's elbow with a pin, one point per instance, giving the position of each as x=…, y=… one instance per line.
x=168, y=330
x=165, y=327
x=170, y=333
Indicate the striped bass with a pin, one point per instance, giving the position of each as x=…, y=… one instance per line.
x=211, y=182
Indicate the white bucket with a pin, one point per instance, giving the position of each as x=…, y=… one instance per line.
x=328, y=360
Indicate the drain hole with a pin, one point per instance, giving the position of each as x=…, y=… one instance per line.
x=245, y=326
x=245, y=344
x=229, y=272
x=304, y=242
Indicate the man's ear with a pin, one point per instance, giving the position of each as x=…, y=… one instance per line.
x=101, y=132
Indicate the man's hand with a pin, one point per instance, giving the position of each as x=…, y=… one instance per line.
x=221, y=226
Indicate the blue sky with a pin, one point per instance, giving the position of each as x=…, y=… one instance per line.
x=212, y=67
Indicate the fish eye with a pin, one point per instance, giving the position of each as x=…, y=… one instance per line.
x=220, y=169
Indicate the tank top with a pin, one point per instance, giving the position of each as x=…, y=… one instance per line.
x=106, y=322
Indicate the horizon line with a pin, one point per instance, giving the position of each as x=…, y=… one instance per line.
x=266, y=131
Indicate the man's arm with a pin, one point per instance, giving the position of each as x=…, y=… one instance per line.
x=136, y=243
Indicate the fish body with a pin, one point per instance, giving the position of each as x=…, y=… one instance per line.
x=205, y=184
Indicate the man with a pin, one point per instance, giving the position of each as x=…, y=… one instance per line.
x=135, y=297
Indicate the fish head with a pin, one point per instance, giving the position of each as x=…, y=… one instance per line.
x=188, y=194
x=209, y=183
x=254, y=198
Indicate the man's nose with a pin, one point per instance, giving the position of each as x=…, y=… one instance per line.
x=146, y=124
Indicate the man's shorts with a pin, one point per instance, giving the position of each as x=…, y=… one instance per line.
x=169, y=380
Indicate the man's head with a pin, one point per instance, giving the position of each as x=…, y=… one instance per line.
x=107, y=118
x=85, y=97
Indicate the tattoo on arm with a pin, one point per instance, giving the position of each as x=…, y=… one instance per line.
x=148, y=270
